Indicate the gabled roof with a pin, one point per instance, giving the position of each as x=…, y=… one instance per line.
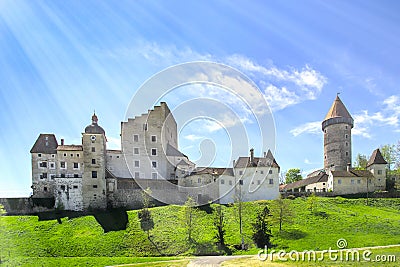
x=352, y=173
x=268, y=161
x=338, y=109
x=70, y=148
x=319, y=177
x=46, y=144
x=173, y=152
x=376, y=158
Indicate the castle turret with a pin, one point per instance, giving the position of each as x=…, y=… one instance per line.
x=94, y=177
x=337, y=127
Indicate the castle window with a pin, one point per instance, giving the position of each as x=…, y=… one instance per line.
x=117, y=157
x=379, y=171
x=93, y=149
x=240, y=172
x=75, y=187
x=270, y=171
x=240, y=182
x=45, y=189
x=136, y=151
x=43, y=175
x=93, y=161
x=76, y=165
x=347, y=153
x=137, y=164
x=62, y=187
x=347, y=144
x=262, y=172
x=358, y=181
x=154, y=175
x=94, y=174
x=199, y=180
x=65, y=154
x=135, y=138
x=52, y=165
x=325, y=131
x=352, y=181
x=52, y=155
x=52, y=176
x=346, y=136
x=76, y=175
x=43, y=164
x=145, y=127
x=271, y=181
x=95, y=186
x=39, y=155
x=346, y=127
x=154, y=151
x=63, y=165
x=339, y=181
x=154, y=164
x=137, y=175
x=62, y=175
x=258, y=182
x=153, y=138
x=222, y=181
x=72, y=155
x=77, y=155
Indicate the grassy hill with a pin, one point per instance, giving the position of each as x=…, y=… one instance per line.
x=331, y=219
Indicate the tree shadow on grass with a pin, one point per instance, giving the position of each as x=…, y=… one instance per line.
x=292, y=234
x=110, y=220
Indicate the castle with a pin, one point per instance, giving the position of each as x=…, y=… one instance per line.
x=338, y=176
x=90, y=176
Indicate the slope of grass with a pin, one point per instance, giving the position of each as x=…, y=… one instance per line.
x=331, y=219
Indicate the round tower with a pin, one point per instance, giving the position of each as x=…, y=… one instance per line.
x=337, y=127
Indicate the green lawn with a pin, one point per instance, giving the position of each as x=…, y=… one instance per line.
x=333, y=218
x=93, y=261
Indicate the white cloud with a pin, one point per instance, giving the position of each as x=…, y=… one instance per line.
x=309, y=127
x=193, y=137
x=364, y=121
x=283, y=88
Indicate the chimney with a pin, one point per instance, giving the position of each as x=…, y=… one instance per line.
x=252, y=155
x=62, y=142
x=348, y=167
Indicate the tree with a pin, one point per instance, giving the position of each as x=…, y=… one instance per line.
x=293, y=175
x=390, y=154
x=219, y=225
x=281, y=211
x=189, y=212
x=361, y=162
x=238, y=199
x=312, y=202
x=144, y=215
x=261, y=231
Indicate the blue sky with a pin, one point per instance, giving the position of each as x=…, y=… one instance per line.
x=60, y=60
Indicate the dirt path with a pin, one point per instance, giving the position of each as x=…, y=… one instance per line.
x=213, y=261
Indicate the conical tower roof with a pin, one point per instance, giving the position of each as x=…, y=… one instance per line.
x=376, y=158
x=338, y=109
x=338, y=113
